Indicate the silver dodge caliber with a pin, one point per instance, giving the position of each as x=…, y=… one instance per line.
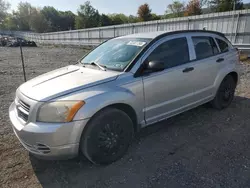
x=96, y=106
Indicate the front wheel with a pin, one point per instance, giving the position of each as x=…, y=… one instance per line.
x=107, y=136
x=225, y=93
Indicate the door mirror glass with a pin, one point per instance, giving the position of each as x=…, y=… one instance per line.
x=155, y=66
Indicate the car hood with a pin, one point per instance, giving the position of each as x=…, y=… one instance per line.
x=63, y=81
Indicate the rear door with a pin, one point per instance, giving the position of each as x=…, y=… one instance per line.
x=206, y=62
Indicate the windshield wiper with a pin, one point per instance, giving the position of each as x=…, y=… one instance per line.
x=102, y=67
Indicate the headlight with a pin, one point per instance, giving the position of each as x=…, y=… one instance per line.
x=59, y=111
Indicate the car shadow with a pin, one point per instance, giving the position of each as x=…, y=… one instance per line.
x=155, y=148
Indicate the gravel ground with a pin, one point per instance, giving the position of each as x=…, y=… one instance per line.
x=199, y=148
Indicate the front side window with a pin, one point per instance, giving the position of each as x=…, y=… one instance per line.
x=223, y=45
x=204, y=47
x=116, y=54
x=172, y=53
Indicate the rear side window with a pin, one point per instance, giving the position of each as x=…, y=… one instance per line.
x=204, y=47
x=223, y=45
x=173, y=52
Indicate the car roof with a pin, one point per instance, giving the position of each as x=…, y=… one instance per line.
x=152, y=35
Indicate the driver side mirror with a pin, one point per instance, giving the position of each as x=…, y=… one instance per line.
x=155, y=66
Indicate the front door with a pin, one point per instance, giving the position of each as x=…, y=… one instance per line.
x=169, y=91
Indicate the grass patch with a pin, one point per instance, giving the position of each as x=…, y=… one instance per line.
x=247, y=61
x=244, y=57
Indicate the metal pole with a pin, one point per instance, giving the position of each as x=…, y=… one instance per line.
x=21, y=50
x=231, y=36
x=236, y=30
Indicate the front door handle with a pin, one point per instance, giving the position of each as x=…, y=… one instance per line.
x=220, y=60
x=188, y=69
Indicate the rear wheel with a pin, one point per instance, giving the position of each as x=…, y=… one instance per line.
x=225, y=93
x=107, y=136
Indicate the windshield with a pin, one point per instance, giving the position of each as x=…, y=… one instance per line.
x=116, y=53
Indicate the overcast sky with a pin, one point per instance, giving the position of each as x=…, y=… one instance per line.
x=104, y=6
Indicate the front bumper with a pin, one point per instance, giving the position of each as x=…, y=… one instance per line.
x=48, y=140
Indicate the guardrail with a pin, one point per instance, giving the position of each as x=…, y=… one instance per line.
x=242, y=46
x=234, y=24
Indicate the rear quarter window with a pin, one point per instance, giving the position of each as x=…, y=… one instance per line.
x=223, y=45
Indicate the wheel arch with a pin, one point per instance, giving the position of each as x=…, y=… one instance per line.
x=108, y=111
x=219, y=102
x=222, y=75
x=128, y=109
x=234, y=75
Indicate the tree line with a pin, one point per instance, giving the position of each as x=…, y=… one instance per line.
x=49, y=19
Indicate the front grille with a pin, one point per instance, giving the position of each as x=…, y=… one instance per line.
x=24, y=105
x=22, y=115
x=23, y=110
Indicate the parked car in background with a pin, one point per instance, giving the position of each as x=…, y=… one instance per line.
x=96, y=106
x=15, y=42
x=12, y=43
x=3, y=41
x=26, y=43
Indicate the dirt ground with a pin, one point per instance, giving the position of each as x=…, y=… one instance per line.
x=200, y=148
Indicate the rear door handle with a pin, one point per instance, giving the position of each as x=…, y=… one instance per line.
x=220, y=60
x=188, y=69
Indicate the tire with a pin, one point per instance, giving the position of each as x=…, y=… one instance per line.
x=107, y=136
x=225, y=93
